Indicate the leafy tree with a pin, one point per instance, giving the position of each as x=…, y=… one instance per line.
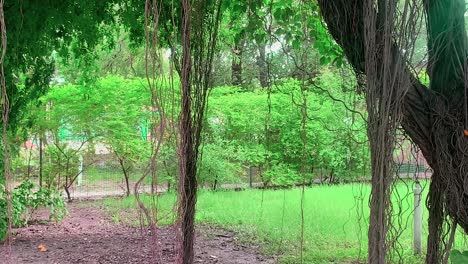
x=112, y=110
x=62, y=170
x=126, y=111
x=34, y=31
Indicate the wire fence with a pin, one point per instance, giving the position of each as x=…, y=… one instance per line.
x=100, y=174
x=83, y=177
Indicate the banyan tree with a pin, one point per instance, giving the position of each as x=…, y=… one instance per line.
x=378, y=37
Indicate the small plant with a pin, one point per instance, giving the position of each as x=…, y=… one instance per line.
x=115, y=218
x=25, y=200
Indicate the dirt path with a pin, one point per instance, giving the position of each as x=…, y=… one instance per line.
x=87, y=235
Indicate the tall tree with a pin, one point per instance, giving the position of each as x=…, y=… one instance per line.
x=435, y=116
x=199, y=28
x=34, y=31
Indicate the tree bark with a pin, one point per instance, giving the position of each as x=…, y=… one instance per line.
x=236, y=64
x=125, y=173
x=430, y=116
x=215, y=184
x=436, y=219
x=187, y=158
x=67, y=191
x=127, y=183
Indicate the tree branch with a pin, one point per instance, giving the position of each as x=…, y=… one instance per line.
x=345, y=21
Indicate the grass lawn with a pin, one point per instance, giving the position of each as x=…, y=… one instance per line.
x=335, y=220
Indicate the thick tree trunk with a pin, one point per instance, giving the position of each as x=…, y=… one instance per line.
x=432, y=117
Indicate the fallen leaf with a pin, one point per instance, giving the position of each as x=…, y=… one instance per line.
x=42, y=248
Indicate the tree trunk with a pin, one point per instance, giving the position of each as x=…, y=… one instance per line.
x=250, y=176
x=215, y=184
x=236, y=65
x=67, y=191
x=433, y=118
x=127, y=183
x=262, y=66
x=187, y=159
x=436, y=220
x=67, y=180
x=125, y=173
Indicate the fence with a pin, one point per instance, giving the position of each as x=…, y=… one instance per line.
x=89, y=176
x=100, y=174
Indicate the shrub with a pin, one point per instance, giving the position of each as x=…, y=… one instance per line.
x=25, y=200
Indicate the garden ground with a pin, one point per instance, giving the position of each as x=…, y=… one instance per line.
x=88, y=235
x=335, y=220
x=263, y=223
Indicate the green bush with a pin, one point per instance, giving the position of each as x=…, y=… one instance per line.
x=219, y=164
x=281, y=175
x=25, y=200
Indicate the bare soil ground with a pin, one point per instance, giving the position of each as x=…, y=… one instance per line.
x=88, y=235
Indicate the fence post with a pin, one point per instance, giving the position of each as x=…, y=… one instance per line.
x=40, y=161
x=80, y=171
x=250, y=176
x=417, y=218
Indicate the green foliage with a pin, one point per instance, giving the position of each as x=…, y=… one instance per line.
x=336, y=138
x=291, y=35
x=168, y=163
x=424, y=78
x=25, y=200
x=111, y=110
x=35, y=30
x=41, y=33
x=457, y=257
x=62, y=168
x=219, y=164
x=282, y=175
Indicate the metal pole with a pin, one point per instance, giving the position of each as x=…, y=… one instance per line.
x=250, y=176
x=40, y=161
x=417, y=218
x=80, y=171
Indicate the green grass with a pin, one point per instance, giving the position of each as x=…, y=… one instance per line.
x=335, y=220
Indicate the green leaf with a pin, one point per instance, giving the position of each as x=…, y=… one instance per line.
x=325, y=60
x=296, y=44
x=457, y=257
